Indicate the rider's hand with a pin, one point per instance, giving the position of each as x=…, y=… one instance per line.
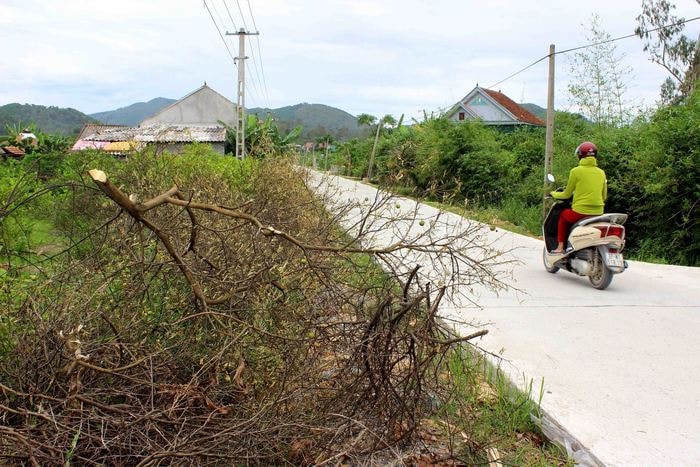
x=551, y=193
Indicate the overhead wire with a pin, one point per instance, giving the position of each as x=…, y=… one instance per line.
x=261, y=95
x=230, y=16
x=242, y=15
x=252, y=49
x=592, y=45
x=252, y=90
x=255, y=62
x=219, y=31
x=257, y=41
x=258, y=83
x=216, y=10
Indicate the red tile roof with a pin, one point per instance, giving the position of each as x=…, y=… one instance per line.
x=520, y=113
x=13, y=151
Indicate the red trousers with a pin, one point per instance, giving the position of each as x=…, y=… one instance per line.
x=567, y=218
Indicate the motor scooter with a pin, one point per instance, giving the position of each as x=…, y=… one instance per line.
x=593, y=248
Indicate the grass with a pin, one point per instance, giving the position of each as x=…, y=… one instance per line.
x=496, y=217
x=496, y=414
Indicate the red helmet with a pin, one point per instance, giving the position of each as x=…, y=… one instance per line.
x=586, y=149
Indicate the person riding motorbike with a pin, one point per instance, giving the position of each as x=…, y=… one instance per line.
x=589, y=187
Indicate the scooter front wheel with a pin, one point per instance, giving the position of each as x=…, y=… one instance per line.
x=550, y=269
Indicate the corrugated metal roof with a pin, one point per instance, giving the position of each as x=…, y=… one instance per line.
x=163, y=134
x=121, y=146
x=83, y=144
x=95, y=128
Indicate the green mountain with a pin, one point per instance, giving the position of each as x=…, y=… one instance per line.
x=47, y=119
x=316, y=119
x=133, y=114
x=536, y=110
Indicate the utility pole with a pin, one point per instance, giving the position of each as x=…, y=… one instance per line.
x=549, y=136
x=240, y=100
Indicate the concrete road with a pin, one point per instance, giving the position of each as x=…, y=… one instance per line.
x=621, y=367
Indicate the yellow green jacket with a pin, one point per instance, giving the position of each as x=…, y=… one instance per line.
x=588, y=185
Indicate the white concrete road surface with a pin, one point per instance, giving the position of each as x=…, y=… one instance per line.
x=621, y=367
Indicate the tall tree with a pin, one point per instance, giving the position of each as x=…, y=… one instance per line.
x=662, y=33
x=600, y=78
x=326, y=141
x=386, y=120
x=366, y=120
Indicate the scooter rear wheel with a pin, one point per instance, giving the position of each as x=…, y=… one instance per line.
x=600, y=276
x=552, y=269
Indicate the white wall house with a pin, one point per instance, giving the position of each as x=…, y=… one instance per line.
x=492, y=108
x=201, y=107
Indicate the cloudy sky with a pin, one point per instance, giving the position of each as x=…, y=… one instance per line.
x=379, y=57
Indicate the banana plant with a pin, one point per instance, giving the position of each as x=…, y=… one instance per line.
x=262, y=137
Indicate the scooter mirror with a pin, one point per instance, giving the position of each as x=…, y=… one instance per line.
x=550, y=178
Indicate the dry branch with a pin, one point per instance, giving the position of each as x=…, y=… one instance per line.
x=295, y=350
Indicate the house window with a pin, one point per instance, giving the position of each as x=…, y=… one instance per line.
x=461, y=115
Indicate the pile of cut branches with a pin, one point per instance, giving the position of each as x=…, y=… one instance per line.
x=213, y=325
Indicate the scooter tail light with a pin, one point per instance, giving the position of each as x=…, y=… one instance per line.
x=611, y=230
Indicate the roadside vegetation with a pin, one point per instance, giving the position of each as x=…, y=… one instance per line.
x=195, y=308
x=652, y=165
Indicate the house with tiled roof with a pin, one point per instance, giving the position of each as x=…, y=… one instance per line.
x=14, y=152
x=492, y=108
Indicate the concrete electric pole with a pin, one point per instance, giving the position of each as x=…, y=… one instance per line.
x=240, y=101
x=549, y=135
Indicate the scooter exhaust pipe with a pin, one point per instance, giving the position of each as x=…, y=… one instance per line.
x=581, y=266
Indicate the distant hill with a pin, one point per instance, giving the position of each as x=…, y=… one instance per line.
x=47, y=119
x=316, y=119
x=133, y=114
x=536, y=110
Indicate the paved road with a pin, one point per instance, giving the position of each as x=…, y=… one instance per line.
x=621, y=367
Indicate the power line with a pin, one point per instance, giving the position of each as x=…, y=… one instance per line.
x=593, y=45
x=257, y=40
x=219, y=31
x=229, y=15
x=518, y=72
x=255, y=66
x=258, y=84
x=242, y=16
x=252, y=53
x=233, y=22
x=216, y=10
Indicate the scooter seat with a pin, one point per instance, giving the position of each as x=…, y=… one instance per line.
x=611, y=217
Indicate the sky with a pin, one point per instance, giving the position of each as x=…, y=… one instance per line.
x=378, y=57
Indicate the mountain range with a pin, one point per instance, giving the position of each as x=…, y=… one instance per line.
x=536, y=110
x=317, y=120
x=47, y=119
x=133, y=114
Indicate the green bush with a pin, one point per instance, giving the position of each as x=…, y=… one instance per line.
x=651, y=166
